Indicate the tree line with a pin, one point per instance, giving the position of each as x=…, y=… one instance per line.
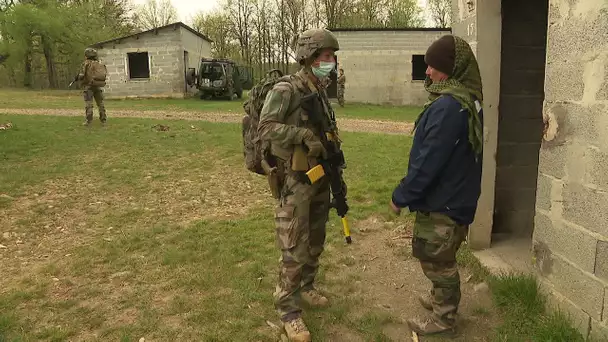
x=42, y=41
x=261, y=33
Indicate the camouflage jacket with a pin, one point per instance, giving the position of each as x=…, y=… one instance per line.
x=83, y=69
x=341, y=80
x=282, y=121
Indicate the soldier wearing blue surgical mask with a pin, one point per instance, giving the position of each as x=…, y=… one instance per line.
x=294, y=139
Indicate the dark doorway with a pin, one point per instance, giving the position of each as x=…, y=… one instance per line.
x=520, y=125
x=186, y=67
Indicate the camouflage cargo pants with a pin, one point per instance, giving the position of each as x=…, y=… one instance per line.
x=95, y=93
x=341, y=95
x=300, y=220
x=435, y=241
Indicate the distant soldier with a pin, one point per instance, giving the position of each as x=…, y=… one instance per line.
x=341, y=86
x=93, y=77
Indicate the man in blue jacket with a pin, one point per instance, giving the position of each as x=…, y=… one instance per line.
x=443, y=180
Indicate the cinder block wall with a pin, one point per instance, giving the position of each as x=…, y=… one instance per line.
x=197, y=48
x=377, y=65
x=571, y=222
x=166, y=57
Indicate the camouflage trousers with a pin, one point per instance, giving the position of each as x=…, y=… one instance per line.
x=341, y=96
x=95, y=93
x=300, y=222
x=435, y=241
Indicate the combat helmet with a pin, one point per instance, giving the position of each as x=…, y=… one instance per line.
x=90, y=53
x=310, y=41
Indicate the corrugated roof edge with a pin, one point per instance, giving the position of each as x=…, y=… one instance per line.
x=433, y=29
x=178, y=23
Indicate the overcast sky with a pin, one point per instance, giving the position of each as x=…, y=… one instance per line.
x=186, y=9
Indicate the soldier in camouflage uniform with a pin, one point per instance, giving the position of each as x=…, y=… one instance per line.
x=303, y=209
x=341, y=86
x=91, y=92
x=443, y=182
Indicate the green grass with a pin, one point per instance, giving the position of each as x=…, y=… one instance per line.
x=17, y=98
x=129, y=232
x=523, y=307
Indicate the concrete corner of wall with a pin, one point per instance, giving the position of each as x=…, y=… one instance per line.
x=561, y=304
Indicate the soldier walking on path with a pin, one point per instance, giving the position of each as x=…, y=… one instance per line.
x=93, y=77
x=341, y=86
x=303, y=208
x=442, y=184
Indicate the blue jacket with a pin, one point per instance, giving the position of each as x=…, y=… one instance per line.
x=443, y=175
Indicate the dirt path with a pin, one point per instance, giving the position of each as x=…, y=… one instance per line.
x=391, y=281
x=348, y=125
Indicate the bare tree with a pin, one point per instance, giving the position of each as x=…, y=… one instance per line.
x=217, y=26
x=240, y=14
x=403, y=13
x=441, y=12
x=155, y=13
x=335, y=11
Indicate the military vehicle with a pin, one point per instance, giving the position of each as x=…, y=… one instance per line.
x=222, y=78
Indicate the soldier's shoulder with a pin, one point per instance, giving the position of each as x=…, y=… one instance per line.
x=284, y=84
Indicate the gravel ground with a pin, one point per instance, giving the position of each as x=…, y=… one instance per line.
x=349, y=125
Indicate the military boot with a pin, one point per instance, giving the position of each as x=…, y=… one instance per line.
x=426, y=302
x=297, y=331
x=430, y=326
x=314, y=298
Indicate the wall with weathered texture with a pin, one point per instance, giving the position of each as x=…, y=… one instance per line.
x=571, y=222
x=166, y=60
x=197, y=48
x=479, y=23
x=378, y=68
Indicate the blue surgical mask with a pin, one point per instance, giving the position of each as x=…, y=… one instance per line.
x=323, y=69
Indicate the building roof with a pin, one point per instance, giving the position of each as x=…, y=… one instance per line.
x=432, y=29
x=174, y=25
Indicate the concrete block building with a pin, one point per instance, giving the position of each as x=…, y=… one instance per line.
x=544, y=66
x=153, y=63
x=385, y=66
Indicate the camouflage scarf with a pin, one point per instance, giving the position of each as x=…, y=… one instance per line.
x=465, y=86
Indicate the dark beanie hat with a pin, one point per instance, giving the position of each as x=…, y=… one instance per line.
x=441, y=54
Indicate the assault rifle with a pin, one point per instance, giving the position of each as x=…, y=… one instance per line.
x=331, y=166
x=74, y=80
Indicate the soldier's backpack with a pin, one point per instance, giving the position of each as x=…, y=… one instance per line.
x=96, y=74
x=253, y=147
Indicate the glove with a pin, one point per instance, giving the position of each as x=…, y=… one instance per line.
x=315, y=147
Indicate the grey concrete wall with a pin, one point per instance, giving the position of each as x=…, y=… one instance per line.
x=520, y=125
x=196, y=48
x=483, y=32
x=378, y=67
x=571, y=222
x=166, y=60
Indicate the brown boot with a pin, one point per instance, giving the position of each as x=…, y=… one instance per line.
x=425, y=301
x=297, y=331
x=314, y=298
x=430, y=326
